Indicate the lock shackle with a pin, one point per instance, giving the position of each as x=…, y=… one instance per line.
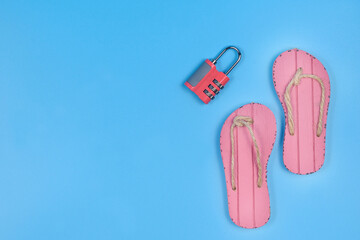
x=223, y=51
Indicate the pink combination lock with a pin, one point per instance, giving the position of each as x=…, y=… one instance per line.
x=207, y=81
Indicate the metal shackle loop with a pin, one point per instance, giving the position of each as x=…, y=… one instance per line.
x=223, y=51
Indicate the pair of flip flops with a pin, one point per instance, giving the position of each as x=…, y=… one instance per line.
x=248, y=136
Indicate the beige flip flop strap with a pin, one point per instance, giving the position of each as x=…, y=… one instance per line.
x=240, y=121
x=294, y=82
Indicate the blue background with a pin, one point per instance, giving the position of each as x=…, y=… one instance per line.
x=100, y=139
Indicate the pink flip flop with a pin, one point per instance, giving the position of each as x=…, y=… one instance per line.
x=246, y=140
x=303, y=87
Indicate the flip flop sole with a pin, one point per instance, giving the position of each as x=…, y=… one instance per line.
x=249, y=205
x=303, y=152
